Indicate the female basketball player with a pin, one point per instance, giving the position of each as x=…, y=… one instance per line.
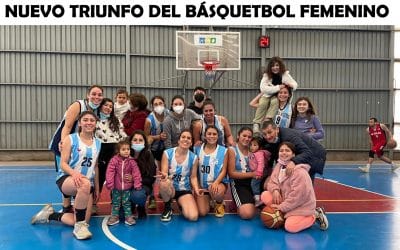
x=240, y=174
x=178, y=178
x=78, y=177
x=213, y=161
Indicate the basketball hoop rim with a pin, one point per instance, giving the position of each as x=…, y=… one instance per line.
x=210, y=64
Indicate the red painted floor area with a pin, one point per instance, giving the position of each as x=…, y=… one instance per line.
x=336, y=197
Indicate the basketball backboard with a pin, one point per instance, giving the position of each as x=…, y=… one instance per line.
x=195, y=47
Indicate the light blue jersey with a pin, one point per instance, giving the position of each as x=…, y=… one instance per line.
x=210, y=166
x=83, y=158
x=283, y=116
x=180, y=172
x=241, y=161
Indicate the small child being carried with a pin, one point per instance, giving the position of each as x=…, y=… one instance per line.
x=258, y=160
x=122, y=174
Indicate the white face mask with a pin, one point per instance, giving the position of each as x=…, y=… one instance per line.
x=178, y=109
x=159, y=109
x=93, y=106
x=137, y=147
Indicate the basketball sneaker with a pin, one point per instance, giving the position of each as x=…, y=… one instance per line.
x=395, y=166
x=130, y=221
x=81, y=230
x=152, y=203
x=43, y=215
x=364, y=169
x=166, y=215
x=113, y=220
x=219, y=210
x=256, y=128
x=320, y=216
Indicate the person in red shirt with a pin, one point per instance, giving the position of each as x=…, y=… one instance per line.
x=135, y=118
x=379, y=135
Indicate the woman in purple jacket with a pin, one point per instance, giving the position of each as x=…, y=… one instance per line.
x=305, y=120
x=293, y=194
x=122, y=174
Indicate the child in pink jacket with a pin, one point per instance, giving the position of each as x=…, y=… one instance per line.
x=122, y=174
x=258, y=160
x=293, y=194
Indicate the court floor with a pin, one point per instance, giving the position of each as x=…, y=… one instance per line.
x=363, y=212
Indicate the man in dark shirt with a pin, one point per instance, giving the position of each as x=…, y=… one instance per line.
x=199, y=96
x=308, y=150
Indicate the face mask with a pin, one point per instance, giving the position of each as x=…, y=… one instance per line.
x=199, y=97
x=178, y=109
x=137, y=147
x=159, y=109
x=104, y=116
x=93, y=106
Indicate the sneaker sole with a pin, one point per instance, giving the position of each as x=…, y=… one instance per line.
x=130, y=224
x=34, y=218
x=165, y=219
x=324, y=228
x=82, y=238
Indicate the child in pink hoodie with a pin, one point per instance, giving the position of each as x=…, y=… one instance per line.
x=122, y=174
x=258, y=160
x=293, y=194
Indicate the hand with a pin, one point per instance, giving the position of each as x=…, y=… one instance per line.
x=275, y=206
x=290, y=168
x=258, y=177
x=276, y=197
x=163, y=136
x=128, y=178
x=198, y=143
x=213, y=188
x=200, y=191
x=313, y=130
x=76, y=176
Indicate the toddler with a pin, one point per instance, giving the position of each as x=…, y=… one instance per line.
x=122, y=174
x=122, y=104
x=258, y=160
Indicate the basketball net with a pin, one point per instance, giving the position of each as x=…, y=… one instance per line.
x=210, y=69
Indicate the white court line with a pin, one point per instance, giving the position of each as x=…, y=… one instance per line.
x=26, y=204
x=109, y=235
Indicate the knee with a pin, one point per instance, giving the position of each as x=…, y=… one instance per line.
x=203, y=212
x=192, y=216
x=246, y=214
x=266, y=197
x=291, y=229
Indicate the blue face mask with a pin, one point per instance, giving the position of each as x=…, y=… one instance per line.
x=104, y=116
x=137, y=147
x=93, y=106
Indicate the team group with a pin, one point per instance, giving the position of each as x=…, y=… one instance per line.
x=193, y=153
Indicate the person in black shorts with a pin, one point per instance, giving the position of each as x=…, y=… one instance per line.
x=240, y=174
